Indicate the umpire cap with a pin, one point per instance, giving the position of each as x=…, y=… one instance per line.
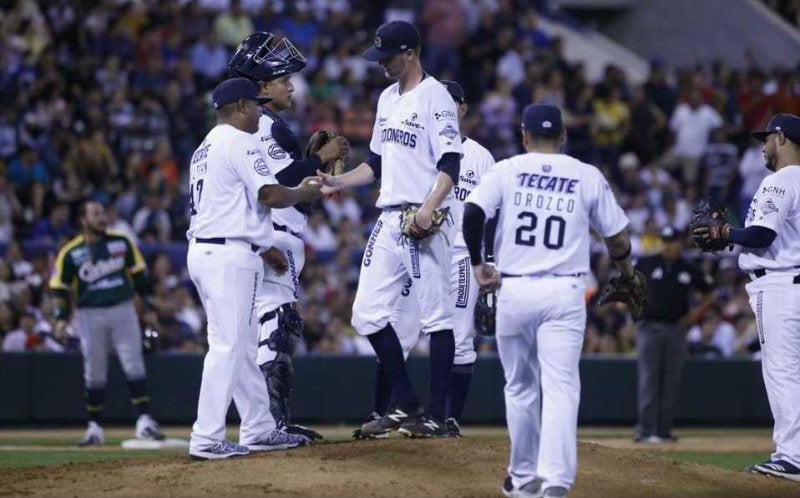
x=788, y=124
x=392, y=38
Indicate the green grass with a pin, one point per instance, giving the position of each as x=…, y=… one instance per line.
x=732, y=460
x=26, y=459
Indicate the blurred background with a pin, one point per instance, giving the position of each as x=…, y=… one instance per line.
x=107, y=100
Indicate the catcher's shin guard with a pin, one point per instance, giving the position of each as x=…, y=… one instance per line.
x=279, y=371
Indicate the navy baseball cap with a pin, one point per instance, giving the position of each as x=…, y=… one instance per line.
x=455, y=90
x=542, y=119
x=392, y=38
x=788, y=124
x=670, y=233
x=230, y=91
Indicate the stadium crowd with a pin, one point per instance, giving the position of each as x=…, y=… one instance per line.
x=107, y=100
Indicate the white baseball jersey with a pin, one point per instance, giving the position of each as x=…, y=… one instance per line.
x=475, y=162
x=278, y=159
x=412, y=131
x=548, y=203
x=226, y=172
x=776, y=205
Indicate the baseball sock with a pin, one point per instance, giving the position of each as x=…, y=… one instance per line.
x=95, y=400
x=459, y=387
x=390, y=354
x=139, y=398
x=443, y=350
x=383, y=390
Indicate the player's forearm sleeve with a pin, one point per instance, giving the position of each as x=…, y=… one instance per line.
x=292, y=175
x=488, y=233
x=474, y=219
x=753, y=236
x=450, y=164
x=374, y=162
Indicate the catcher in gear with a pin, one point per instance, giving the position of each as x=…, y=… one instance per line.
x=710, y=228
x=270, y=63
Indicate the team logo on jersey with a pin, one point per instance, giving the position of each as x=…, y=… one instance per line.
x=440, y=115
x=780, y=192
x=116, y=248
x=260, y=166
x=91, y=271
x=469, y=178
x=449, y=131
x=412, y=122
x=404, y=138
x=276, y=152
x=547, y=168
x=769, y=207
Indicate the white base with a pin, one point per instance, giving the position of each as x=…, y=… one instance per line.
x=146, y=444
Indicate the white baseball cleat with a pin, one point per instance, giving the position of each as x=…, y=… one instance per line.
x=532, y=489
x=218, y=451
x=94, y=435
x=147, y=428
x=278, y=440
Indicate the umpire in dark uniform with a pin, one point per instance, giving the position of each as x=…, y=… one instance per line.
x=661, y=338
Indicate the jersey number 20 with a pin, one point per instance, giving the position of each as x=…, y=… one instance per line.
x=525, y=237
x=192, y=191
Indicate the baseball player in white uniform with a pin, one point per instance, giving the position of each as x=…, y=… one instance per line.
x=416, y=151
x=464, y=290
x=231, y=191
x=771, y=258
x=548, y=202
x=270, y=65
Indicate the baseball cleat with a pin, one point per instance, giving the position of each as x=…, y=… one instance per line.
x=94, y=435
x=453, y=429
x=777, y=468
x=555, y=492
x=219, y=451
x=373, y=417
x=392, y=421
x=278, y=440
x=423, y=425
x=310, y=434
x=530, y=490
x=147, y=428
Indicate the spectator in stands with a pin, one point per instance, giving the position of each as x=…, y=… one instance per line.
x=319, y=235
x=55, y=227
x=209, y=57
x=610, y=126
x=752, y=169
x=233, y=25
x=33, y=334
x=713, y=338
x=151, y=222
x=443, y=26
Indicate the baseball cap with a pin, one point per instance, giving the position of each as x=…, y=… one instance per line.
x=230, y=91
x=789, y=124
x=391, y=39
x=455, y=90
x=670, y=233
x=542, y=119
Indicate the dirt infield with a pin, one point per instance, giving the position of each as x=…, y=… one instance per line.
x=472, y=467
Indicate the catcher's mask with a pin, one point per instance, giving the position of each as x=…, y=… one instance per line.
x=260, y=58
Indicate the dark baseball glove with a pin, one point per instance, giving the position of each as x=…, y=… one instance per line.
x=709, y=226
x=409, y=226
x=316, y=142
x=629, y=290
x=486, y=313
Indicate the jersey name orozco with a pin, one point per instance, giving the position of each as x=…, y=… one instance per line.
x=548, y=203
x=412, y=132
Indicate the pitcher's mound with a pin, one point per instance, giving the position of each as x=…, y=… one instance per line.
x=472, y=467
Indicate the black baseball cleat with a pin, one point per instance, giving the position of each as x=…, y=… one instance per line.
x=392, y=421
x=777, y=468
x=453, y=429
x=373, y=417
x=423, y=425
x=304, y=431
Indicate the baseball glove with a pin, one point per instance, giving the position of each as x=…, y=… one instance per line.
x=486, y=313
x=409, y=226
x=709, y=226
x=316, y=142
x=629, y=290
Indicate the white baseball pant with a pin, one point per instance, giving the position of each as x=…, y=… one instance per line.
x=389, y=261
x=227, y=278
x=775, y=300
x=464, y=292
x=540, y=327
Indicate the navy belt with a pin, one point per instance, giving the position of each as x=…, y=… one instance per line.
x=542, y=275
x=400, y=207
x=272, y=314
x=221, y=241
x=284, y=228
x=761, y=272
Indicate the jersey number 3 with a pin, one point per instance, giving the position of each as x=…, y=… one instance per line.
x=198, y=189
x=525, y=236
